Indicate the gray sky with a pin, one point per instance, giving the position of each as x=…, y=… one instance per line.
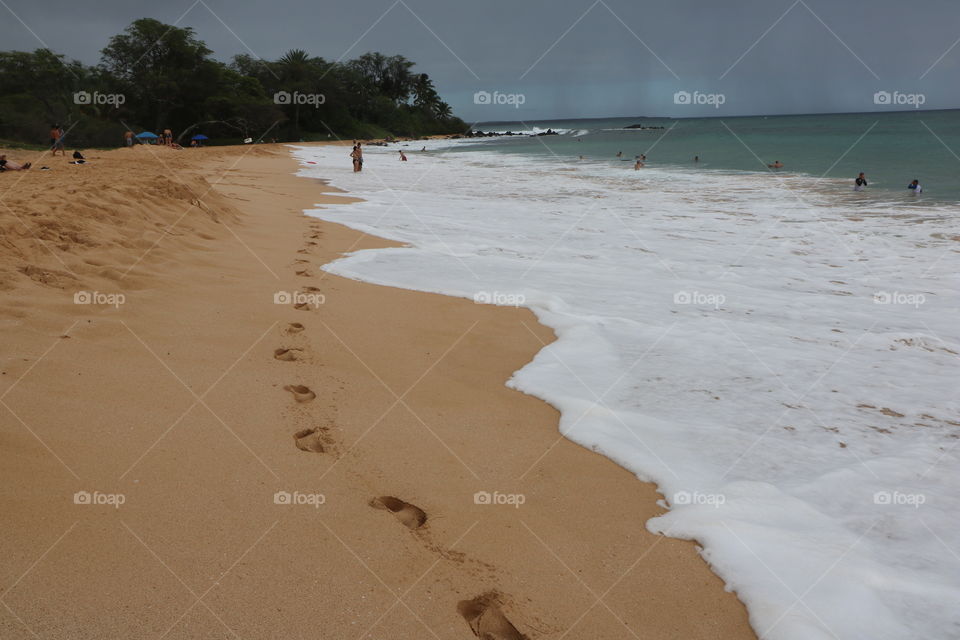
x=577, y=58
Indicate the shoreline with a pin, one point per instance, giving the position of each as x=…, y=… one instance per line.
x=409, y=402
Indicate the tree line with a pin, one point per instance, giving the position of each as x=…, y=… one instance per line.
x=155, y=76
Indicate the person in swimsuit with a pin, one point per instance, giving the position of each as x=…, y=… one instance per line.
x=355, y=157
x=168, y=137
x=7, y=165
x=776, y=165
x=359, y=157
x=56, y=139
x=403, y=156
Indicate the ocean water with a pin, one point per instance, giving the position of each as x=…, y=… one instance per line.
x=777, y=353
x=891, y=148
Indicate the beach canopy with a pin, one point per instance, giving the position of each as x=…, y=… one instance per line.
x=199, y=136
x=146, y=135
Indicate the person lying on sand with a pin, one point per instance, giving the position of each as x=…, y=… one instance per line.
x=9, y=165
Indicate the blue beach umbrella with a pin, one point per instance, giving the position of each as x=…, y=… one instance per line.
x=146, y=135
x=199, y=136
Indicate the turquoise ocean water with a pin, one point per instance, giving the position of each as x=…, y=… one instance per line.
x=892, y=148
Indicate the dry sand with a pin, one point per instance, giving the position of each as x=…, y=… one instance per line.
x=177, y=401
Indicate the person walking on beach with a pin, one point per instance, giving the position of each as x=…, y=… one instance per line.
x=56, y=139
x=915, y=187
x=860, y=182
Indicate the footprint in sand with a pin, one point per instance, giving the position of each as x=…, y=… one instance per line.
x=411, y=516
x=287, y=355
x=309, y=440
x=303, y=273
x=311, y=289
x=294, y=327
x=486, y=620
x=300, y=392
x=302, y=306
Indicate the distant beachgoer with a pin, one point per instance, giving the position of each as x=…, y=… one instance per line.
x=581, y=157
x=167, y=137
x=915, y=187
x=56, y=139
x=619, y=154
x=8, y=165
x=353, y=156
x=128, y=138
x=403, y=156
x=638, y=165
x=643, y=157
x=776, y=165
x=424, y=148
x=860, y=182
x=696, y=158
x=359, y=157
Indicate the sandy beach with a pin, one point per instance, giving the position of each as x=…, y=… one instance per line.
x=188, y=454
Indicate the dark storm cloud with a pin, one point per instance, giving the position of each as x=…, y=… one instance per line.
x=573, y=59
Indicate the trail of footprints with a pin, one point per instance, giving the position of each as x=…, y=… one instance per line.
x=482, y=614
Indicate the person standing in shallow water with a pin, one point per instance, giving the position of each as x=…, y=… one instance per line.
x=860, y=183
x=353, y=156
x=359, y=157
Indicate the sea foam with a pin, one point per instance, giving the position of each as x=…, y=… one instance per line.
x=778, y=358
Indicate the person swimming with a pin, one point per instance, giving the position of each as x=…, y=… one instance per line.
x=915, y=187
x=860, y=182
x=776, y=165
